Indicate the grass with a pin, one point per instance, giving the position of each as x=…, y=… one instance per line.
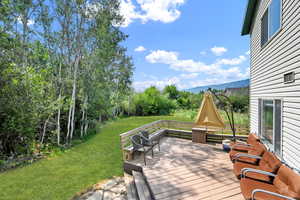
x=240, y=118
x=62, y=176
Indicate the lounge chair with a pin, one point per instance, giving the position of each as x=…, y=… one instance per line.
x=138, y=145
x=258, y=150
x=147, y=141
x=244, y=147
x=268, y=162
x=285, y=186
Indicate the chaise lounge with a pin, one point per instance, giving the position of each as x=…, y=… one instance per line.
x=285, y=185
x=268, y=162
x=258, y=150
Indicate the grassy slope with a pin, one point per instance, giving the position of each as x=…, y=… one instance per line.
x=62, y=176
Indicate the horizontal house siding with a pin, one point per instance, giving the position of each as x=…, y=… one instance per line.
x=268, y=65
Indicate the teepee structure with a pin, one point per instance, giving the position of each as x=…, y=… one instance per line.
x=208, y=115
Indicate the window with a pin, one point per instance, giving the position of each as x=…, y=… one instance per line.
x=267, y=120
x=277, y=127
x=264, y=29
x=270, y=123
x=289, y=77
x=271, y=21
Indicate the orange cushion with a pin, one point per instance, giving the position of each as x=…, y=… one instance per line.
x=287, y=182
x=238, y=166
x=252, y=138
x=242, y=148
x=269, y=162
x=248, y=185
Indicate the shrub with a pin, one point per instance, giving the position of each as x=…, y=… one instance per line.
x=151, y=102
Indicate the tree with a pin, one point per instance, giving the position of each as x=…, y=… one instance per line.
x=63, y=69
x=171, y=91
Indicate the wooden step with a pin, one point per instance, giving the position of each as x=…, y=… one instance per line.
x=130, y=187
x=141, y=185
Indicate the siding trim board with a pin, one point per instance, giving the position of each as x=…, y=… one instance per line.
x=268, y=65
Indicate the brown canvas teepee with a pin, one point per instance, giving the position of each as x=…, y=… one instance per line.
x=208, y=115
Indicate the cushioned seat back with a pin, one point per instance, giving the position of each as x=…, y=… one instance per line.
x=258, y=150
x=252, y=139
x=287, y=182
x=269, y=162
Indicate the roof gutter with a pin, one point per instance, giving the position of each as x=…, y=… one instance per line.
x=250, y=11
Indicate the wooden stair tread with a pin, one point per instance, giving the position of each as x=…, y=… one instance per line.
x=141, y=186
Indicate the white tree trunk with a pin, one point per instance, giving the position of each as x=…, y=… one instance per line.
x=69, y=122
x=82, y=122
x=74, y=95
x=59, y=108
x=44, y=129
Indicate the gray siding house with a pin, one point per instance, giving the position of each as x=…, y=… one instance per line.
x=274, y=29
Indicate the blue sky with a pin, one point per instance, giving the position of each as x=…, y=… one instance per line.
x=188, y=43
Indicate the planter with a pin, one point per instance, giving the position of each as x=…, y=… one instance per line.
x=226, y=145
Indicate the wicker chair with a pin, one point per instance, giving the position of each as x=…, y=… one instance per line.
x=138, y=145
x=147, y=141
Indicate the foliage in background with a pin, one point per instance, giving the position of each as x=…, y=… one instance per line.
x=62, y=70
x=170, y=99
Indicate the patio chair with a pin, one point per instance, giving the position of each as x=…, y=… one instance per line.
x=139, y=146
x=258, y=150
x=285, y=186
x=268, y=162
x=147, y=141
x=244, y=147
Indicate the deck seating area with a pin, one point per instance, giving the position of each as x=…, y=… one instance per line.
x=186, y=170
x=182, y=169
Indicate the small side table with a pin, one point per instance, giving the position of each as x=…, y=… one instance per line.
x=199, y=134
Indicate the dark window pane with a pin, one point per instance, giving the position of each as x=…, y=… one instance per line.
x=264, y=28
x=277, y=127
x=274, y=12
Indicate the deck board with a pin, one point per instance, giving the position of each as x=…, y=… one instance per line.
x=190, y=171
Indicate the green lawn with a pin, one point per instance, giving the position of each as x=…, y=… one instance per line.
x=240, y=118
x=62, y=176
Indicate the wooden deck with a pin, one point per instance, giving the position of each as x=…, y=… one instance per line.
x=186, y=170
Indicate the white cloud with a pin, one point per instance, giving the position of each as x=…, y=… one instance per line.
x=160, y=84
x=165, y=11
x=248, y=52
x=233, y=61
x=140, y=49
x=218, y=51
x=91, y=9
x=161, y=56
x=184, y=81
x=189, y=76
x=220, y=71
x=29, y=22
x=189, y=65
x=203, y=53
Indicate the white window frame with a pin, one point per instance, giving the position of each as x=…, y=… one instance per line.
x=280, y=22
x=271, y=146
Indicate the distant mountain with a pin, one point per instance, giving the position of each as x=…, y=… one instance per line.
x=235, y=84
